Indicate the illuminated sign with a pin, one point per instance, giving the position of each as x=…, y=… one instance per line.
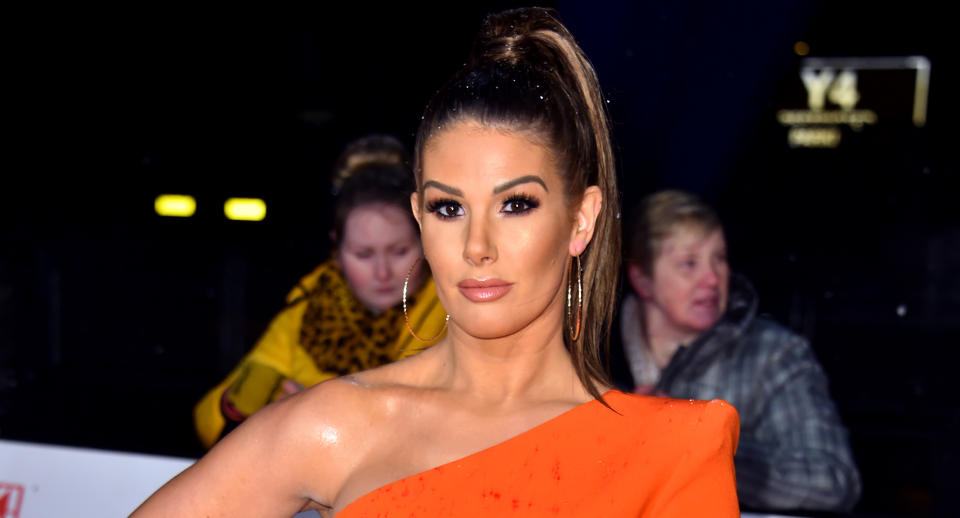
x=853, y=93
x=175, y=205
x=245, y=209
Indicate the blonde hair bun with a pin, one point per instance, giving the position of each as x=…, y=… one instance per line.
x=375, y=150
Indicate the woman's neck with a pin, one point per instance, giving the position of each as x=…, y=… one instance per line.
x=662, y=336
x=532, y=363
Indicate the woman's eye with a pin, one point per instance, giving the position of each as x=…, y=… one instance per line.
x=519, y=204
x=445, y=209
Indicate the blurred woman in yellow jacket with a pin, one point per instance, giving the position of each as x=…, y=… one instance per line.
x=348, y=314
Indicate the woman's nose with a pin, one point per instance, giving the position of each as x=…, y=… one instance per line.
x=711, y=277
x=381, y=268
x=479, y=247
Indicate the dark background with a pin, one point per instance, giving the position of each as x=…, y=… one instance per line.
x=114, y=321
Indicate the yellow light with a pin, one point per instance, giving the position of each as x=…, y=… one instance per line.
x=828, y=137
x=801, y=48
x=175, y=205
x=245, y=209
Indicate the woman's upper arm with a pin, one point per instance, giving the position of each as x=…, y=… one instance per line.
x=272, y=465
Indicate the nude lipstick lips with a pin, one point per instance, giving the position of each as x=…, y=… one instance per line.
x=484, y=291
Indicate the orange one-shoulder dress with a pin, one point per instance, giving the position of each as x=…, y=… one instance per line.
x=648, y=456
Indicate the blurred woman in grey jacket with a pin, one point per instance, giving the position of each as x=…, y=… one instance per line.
x=690, y=330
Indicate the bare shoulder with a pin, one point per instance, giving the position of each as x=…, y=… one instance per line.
x=291, y=455
x=344, y=419
x=356, y=401
x=334, y=421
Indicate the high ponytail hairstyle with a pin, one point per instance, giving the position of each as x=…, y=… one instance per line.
x=526, y=73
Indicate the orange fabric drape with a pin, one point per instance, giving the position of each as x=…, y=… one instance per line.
x=653, y=457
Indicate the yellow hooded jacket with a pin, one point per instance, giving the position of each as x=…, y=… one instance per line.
x=279, y=354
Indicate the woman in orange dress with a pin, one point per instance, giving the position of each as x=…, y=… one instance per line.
x=511, y=411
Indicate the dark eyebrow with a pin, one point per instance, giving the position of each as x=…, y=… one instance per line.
x=445, y=188
x=517, y=181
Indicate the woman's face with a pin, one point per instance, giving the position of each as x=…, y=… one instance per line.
x=378, y=247
x=496, y=229
x=691, y=279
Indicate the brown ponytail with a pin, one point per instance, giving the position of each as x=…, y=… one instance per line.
x=527, y=73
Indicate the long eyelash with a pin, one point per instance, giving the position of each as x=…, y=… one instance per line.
x=437, y=204
x=531, y=201
x=524, y=197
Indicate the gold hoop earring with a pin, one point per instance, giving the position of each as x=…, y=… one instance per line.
x=406, y=318
x=573, y=329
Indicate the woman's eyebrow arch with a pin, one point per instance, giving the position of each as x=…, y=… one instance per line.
x=443, y=187
x=517, y=181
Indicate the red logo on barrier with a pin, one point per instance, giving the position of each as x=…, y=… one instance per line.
x=11, y=496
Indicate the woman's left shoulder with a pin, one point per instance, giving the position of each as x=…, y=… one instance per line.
x=684, y=416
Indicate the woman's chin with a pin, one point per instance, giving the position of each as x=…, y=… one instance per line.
x=703, y=322
x=378, y=305
x=488, y=328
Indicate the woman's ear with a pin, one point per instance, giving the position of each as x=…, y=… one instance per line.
x=585, y=220
x=415, y=207
x=641, y=283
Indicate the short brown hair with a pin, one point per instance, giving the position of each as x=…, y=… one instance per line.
x=657, y=218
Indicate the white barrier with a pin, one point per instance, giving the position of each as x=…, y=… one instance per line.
x=42, y=481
